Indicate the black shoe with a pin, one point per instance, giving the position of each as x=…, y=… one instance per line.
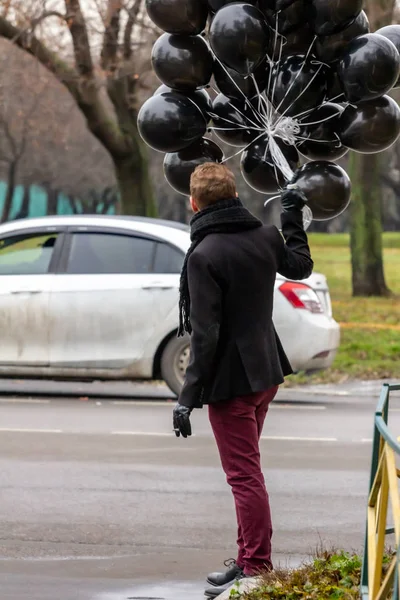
x=214, y=592
x=220, y=579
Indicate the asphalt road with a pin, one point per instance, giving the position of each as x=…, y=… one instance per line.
x=99, y=501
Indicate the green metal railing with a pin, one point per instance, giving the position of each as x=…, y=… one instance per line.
x=383, y=491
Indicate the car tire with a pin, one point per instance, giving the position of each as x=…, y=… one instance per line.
x=174, y=361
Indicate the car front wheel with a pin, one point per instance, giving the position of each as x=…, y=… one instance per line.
x=174, y=362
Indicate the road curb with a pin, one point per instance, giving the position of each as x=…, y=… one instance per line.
x=83, y=390
x=317, y=392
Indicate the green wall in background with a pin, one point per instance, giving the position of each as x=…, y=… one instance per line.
x=38, y=203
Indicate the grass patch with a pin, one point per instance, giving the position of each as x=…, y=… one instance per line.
x=370, y=347
x=330, y=576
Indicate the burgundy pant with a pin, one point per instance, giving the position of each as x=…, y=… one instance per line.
x=237, y=425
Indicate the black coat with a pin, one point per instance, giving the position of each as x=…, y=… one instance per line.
x=235, y=350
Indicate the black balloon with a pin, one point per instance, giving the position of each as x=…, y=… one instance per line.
x=369, y=67
x=300, y=85
x=334, y=92
x=330, y=16
x=295, y=42
x=182, y=62
x=370, y=127
x=169, y=122
x=178, y=16
x=179, y=166
x=258, y=167
x=275, y=5
x=321, y=127
x=200, y=97
x=217, y=4
x=240, y=85
x=231, y=118
x=239, y=36
x=392, y=33
x=288, y=20
x=329, y=48
x=326, y=186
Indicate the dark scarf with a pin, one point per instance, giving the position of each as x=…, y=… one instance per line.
x=226, y=216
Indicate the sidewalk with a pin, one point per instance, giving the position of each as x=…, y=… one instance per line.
x=143, y=390
x=350, y=389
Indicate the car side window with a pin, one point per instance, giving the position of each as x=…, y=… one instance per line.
x=27, y=254
x=109, y=253
x=168, y=259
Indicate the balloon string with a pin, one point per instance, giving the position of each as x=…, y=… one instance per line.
x=335, y=98
x=245, y=117
x=297, y=75
x=231, y=129
x=279, y=159
x=243, y=149
x=337, y=114
x=249, y=104
x=271, y=62
x=275, y=80
x=261, y=101
x=302, y=92
x=271, y=200
x=309, y=139
x=238, y=125
x=307, y=112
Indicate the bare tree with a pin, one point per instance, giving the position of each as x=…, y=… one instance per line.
x=44, y=140
x=98, y=49
x=16, y=125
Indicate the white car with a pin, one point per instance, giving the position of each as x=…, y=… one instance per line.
x=97, y=297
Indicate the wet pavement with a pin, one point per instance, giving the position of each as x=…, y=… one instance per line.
x=99, y=501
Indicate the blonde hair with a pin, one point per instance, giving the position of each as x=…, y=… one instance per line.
x=210, y=183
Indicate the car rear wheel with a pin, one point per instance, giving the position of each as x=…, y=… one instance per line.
x=174, y=362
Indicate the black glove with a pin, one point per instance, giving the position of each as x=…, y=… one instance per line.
x=181, y=419
x=293, y=199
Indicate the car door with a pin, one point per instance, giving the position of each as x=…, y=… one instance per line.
x=168, y=262
x=27, y=262
x=103, y=307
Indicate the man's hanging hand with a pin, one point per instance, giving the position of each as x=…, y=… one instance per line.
x=181, y=420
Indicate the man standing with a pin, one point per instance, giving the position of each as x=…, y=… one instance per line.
x=236, y=360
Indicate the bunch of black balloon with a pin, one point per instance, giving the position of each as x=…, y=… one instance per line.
x=291, y=85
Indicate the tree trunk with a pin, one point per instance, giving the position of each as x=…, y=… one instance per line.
x=11, y=180
x=366, y=226
x=73, y=205
x=52, y=201
x=136, y=192
x=366, y=210
x=24, y=210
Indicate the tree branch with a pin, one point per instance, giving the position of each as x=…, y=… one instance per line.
x=46, y=15
x=80, y=39
x=109, y=53
x=100, y=119
x=133, y=13
x=64, y=73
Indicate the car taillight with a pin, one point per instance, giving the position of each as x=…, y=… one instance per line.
x=301, y=296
